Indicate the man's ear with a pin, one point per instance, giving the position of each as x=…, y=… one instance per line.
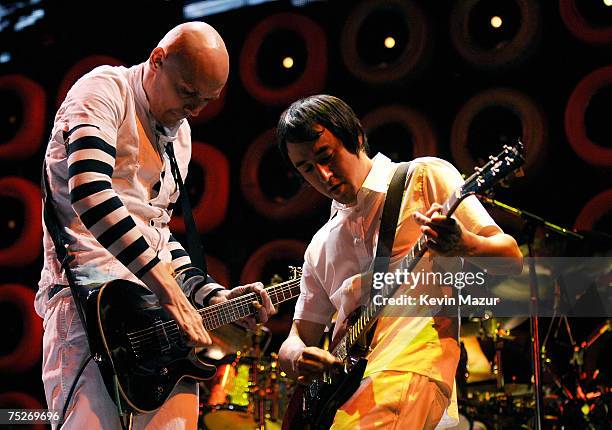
x=157, y=57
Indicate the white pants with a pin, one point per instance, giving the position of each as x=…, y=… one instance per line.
x=64, y=350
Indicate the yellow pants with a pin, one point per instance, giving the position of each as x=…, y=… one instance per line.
x=393, y=400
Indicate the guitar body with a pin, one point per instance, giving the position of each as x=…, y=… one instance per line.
x=314, y=406
x=131, y=333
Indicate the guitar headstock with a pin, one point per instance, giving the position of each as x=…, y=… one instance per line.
x=295, y=272
x=497, y=168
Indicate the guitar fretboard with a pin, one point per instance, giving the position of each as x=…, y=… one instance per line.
x=484, y=177
x=215, y=316
x=370, y=312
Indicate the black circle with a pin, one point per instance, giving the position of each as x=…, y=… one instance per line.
x=277, y=180
x=386, y=21
x=392, y=139
x=11, y=319
x=276, y=46
x=595, y=12
x=597, y=117
x=11, y=220
x=482, y=32
x=490, y=129
x=11, y=115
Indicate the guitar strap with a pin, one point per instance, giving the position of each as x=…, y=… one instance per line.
x=388, y=222
x=387, y=229
x=195, y=246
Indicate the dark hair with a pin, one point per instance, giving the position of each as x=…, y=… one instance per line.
x=297, y=123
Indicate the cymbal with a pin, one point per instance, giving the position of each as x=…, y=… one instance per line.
x=226, y=340
x=491, y=327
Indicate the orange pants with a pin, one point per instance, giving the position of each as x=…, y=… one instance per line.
x=393, y=400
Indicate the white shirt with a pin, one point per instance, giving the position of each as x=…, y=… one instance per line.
x=344, y=248
x=114, y=101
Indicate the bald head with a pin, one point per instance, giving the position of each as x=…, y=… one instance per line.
x=198, y=50
x=191, y=60
x=197, y=44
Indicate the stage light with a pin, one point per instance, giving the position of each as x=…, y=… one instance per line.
x=403, y=30
x=287, y=62
x=588, y=20
x=276, y=37
x=495, y=33
x=389, y=42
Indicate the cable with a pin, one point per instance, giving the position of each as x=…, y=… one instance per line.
x=71, y=392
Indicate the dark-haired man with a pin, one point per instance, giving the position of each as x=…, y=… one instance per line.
x=409, y=379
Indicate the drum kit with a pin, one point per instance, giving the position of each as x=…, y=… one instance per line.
x=495, y=383
x=249, y=390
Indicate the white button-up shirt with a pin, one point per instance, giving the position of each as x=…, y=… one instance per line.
x=123, y=187
x=344, y=248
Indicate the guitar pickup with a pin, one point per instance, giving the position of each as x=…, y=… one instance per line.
x=162, y=336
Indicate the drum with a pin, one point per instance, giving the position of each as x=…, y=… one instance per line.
x=246, y=394
x=228, y=403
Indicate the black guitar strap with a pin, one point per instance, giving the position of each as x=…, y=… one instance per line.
x=195, y=247
x=387, y=229
x=388, y=222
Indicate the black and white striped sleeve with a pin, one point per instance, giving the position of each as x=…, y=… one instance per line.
x=91, y=162
x=197, y=285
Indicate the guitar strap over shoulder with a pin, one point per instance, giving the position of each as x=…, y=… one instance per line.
x=387, y=230
x=388, y=222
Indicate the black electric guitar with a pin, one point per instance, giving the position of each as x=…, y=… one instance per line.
x=315, y=406
x=132, y=337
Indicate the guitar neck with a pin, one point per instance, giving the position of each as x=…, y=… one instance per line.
x=371, y=311
x=232, y=310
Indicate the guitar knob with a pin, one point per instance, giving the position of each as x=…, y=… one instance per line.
x=163, y=371
x=159, y=390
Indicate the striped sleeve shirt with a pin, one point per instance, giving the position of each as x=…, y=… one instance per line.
x=112, y=185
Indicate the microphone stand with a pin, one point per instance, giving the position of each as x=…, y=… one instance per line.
x=532, y=221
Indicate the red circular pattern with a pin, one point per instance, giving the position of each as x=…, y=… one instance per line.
x=312, y=79
x=30, y=134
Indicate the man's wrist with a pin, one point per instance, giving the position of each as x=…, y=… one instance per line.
x=212, y=296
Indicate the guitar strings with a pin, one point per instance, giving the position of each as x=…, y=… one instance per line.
x=238, y=301
x=171, y=327
x=173, y=333
x=242, y=303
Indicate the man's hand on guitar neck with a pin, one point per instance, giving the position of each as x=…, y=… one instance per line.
x=174, y=301
x=448, y=237
x=445, y=236
x=265, y=309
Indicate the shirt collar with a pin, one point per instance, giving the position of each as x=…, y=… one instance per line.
x=377, y=181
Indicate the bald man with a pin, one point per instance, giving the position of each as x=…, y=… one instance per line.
x=109, y=171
